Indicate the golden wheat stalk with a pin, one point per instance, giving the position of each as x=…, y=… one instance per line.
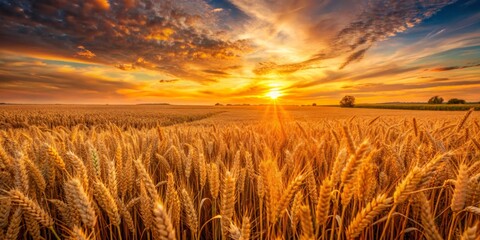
x=20, y=174
x=295, y=212
x=32, y=227
x=68, y=216
x=311, y=185
x=228, y=201
x=147, y=179
x=306, y=222
x=79, y=168
x=14, y=226
x=428, y=220
x=125, y=214
x=55, y=157
x=464, y=119
x=5, y=208
x=146, y=207
x=36, y=175
x=246, y=228
x=163, y=228
x=324, y=201
x=31, y=208
x=173, y=200
x=80, y=201
x=78, y=234
x=106, y=202
x=214, y=180
x=408, y=185
x=461, y=189
x=190, y=212
x=288, y=194
x=366, y=215
x=202, y=170
x=415, y=127
x=5, y=159
x=350, y=145
x=354, y=163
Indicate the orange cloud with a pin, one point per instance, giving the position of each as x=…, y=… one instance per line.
x=102, y=4
x=161, y=35
x=85, y=52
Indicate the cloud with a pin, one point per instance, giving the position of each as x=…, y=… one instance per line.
x=31, y=81
x=443, y=69
x=215, y=72
x=170, y=36
x=379, y=21
x=356, y=56
x=126, y=66
x=168, y=80
x=83, y=52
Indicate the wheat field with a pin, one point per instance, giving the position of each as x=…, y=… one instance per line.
x=110, y=172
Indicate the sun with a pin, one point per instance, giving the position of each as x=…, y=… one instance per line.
x=274, y=94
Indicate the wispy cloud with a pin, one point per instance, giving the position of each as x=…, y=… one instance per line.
x=449, y=68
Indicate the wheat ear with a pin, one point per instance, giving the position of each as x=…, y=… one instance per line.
x=213, y=180
x=428, y=220
x=407, y=185
x=107, y=202
x=288, y=195
x=173, y=200
x=191, y=214
x=461, y=189
x=53, y=154
x=78, y=234
x=324, y=201
x=80, y=201
x=246, y=228
x=31, y=208
x=163, y=228
x=14, y=226
x=228, y=202
x=306, y=222
x=366, y=215
x=464, y=119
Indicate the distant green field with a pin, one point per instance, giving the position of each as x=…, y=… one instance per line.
x=421, y=106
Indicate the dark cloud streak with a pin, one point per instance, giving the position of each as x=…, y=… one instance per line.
x=443, y=69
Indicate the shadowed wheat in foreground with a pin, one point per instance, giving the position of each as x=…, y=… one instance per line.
x=392, y=178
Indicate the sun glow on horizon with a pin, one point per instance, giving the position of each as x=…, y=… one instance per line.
x=274, y=94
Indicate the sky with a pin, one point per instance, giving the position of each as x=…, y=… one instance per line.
x=238, y=51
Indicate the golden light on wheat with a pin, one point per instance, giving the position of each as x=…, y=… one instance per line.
x=89, y=174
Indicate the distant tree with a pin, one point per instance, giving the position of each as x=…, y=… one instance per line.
x=218, y=104
x=314, y=104
x=456, y=101
x=347, y=101
x=435, y=100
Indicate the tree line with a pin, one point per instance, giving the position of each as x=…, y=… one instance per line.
x=349, y=101
x=439, y=100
